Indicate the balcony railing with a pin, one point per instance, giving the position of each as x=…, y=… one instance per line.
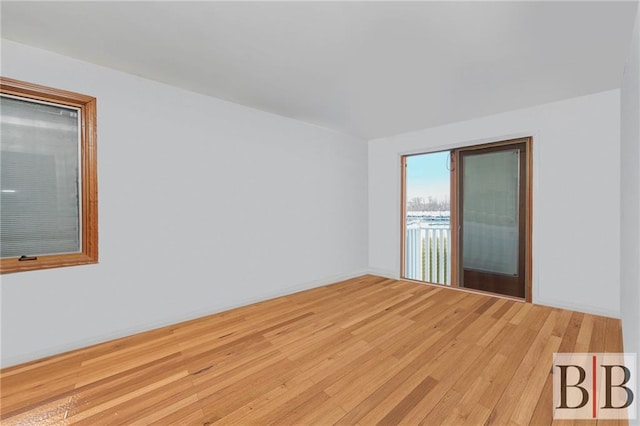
x=428, y=253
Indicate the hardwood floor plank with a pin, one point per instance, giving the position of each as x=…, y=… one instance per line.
x=217, y=400
x=317, y=371
x=47, y=413
x=535, y=352
x=530, y=394
x=447, y=370
x=584, y=335
x=328, y=413
x=105, y=412
x=411, y=369
x=543, y=413
x=368, y=350
x=470, y=393
x=274, y=398
x=303, y=408
x=190, y=415
x=443, y=409
x=410, y=401
x=124, y=383
x=134, y=408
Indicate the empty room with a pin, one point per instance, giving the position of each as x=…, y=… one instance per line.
x=318, y=213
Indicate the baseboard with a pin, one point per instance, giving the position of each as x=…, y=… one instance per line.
x=385, y=273
x=593, y=310
x=141, y=328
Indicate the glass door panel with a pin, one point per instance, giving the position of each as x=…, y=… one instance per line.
x=490, y=216
x=492, y=183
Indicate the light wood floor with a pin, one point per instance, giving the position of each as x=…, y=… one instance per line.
x=365, y=351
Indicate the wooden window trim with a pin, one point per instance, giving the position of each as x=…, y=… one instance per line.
x=89, y=175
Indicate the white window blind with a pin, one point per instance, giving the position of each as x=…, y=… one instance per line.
x=490, y=216
x=40, y=178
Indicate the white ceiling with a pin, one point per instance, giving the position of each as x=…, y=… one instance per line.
x=370, y=69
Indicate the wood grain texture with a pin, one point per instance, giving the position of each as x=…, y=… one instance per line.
x=365, y=351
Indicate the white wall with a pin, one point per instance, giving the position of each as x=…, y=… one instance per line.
x=576, y=195
x=203, y=205
x=630, y=195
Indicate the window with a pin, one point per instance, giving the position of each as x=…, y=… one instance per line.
x=48, y=178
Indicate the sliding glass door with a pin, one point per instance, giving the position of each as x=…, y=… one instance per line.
x=466, y=217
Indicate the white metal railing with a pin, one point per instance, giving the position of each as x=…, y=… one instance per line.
x=428, y=253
